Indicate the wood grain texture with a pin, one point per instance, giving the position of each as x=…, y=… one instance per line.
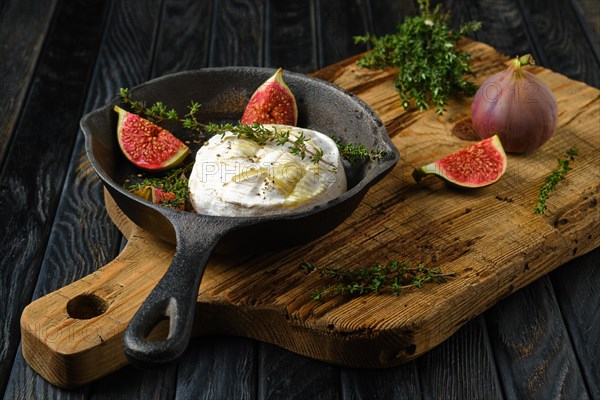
x=588, y=14
x=285, y=375
x=132, y=383
x=579, y=319
x=506, y=29
x=34, y=170
x=385, y=15
x=184, y=37
x=340, y=21
x=26, y=384
x=266, y=296
x=461, y=368
x=19, y=51
x=219, y=367
x=82, y=238
x=580, y=308
x=240, y=41
x=399, y=383
x=557, y=50
x=503, y=26
x=76, y=336
x=291, y=36
x=533, y=350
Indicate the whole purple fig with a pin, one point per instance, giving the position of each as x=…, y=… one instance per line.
x=517, y=106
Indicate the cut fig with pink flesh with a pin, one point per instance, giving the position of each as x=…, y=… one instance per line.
x=478, y=165
x=272, y=103
x=146, y=144
x=158, y=196
x=161, y=197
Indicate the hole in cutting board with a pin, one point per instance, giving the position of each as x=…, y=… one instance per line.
x=86, y=306
x=464, y=130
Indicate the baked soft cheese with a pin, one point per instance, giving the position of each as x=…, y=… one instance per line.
x=238, y=177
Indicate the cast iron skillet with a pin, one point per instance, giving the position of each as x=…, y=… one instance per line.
x=223, y=93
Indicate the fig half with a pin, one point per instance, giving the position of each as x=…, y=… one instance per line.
x=147, y=145
x=480, y=164
x=272, y=103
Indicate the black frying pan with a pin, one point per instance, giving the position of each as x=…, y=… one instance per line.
x=223, y=93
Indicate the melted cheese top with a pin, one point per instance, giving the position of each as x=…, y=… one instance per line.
x=239, y=177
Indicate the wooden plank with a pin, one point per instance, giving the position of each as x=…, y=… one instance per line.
x=503, y=26
x=184, y=36
x=555, y=42
x=398, y=383
x=385, y=15
x=33, y=173
x=218, y=367
x=580, y=309
x=241, y=33
x=82, y=238
x=23, y=25
x=461, y=367
x=291, y=38
x=339, y=22
x=287, y=375
x=132, y=383
x=588, y=14
x=533, y=350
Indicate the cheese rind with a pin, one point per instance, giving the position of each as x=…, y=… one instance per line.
x=238, y=177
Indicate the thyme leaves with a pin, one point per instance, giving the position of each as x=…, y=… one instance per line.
x=430, y=67
x=172, y=186
x=552, y=180
x=158, y=112
x=393, y=277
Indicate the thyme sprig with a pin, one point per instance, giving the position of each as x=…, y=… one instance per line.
x=355, y=153
x=430, y=67
x=159, y=112
x=260, y=134
x=393, y=277
x=552, y=180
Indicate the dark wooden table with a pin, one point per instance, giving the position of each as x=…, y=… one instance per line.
x=60, y=59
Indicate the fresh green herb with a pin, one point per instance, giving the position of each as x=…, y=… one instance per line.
x=174, y=181
x=551, y=180
x=355, y=153
x=158, y=112
x=430, y=67
x=260, y=134
x=393, y=277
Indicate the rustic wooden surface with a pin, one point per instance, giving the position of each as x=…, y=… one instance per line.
x=489, y=238
x=540, y=342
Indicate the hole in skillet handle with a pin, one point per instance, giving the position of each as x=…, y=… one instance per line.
x=174, y=297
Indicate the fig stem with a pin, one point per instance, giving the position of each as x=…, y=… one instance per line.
x=527, y=59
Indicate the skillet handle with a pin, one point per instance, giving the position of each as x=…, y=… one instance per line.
x=173, y=298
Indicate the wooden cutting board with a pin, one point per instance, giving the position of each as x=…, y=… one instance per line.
x=489, y=238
